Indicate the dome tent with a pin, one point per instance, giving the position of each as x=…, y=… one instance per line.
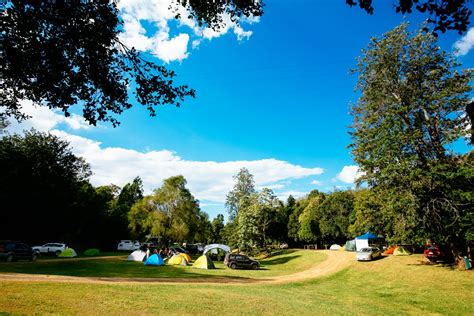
x=177, y=260
x=68, y=253
x=204, y=262
x=334, y=247
x=185, y=256
x=154, y=260
x=137, y=255
x=401, y=251
x=210, y=247
x=350, y=245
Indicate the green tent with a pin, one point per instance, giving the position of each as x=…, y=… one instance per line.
x=401, y=251
x=68, y=253
x=92, y=252
x=204, y=262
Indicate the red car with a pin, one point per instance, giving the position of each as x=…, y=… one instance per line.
x=433, y=253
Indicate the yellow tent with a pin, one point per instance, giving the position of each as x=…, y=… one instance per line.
x=185, y=256
x=204, y=262
x=177, y=260
x=401, y=251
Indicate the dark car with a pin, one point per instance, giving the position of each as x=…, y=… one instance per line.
x=15, y=250
x=236, y=261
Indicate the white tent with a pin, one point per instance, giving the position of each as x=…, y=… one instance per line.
x=216, y=246
x=335, y=247
x=137, y=255
x=361, y=243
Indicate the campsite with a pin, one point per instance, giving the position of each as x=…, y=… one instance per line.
x=243, y=157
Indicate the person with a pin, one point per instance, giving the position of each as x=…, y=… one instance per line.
x=147, y=252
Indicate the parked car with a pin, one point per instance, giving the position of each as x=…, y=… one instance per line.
x=368, y=254
x=128, y=245
x=434, y=253
x=50, y=248
x=16, y=250
x=177, y=249
x=236, y=260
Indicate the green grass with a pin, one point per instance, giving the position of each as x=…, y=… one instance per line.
x=285, y=262
x=391, y=286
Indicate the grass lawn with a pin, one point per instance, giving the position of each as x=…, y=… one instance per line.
x=285, y=262
x=394, y=285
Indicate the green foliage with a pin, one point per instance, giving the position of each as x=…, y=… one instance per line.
x=411, y=108
x=217, y=227
x=244, y=187
x=171, y=214
x=43, y=186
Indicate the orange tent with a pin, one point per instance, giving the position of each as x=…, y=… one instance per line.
x=390, y=250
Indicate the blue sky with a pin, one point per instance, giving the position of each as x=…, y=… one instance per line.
x=272, y=95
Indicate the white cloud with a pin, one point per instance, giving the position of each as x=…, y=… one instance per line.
x=157, y=40
x=283, y=196
x=349, y=174
x=44, y=119
x=207, y=180
x=316, y=182
x=466, y=43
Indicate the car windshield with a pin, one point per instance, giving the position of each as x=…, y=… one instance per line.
x=366, y=250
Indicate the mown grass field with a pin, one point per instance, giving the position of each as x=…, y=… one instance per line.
x=394, y=286
x=284, y=262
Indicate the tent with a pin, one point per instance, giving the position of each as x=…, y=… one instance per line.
x=137, y=255
x=390, y=250
x=334, y=247
x=210, y=247
x=68, y=253
x=204, y=262
x=350, y=245
x=185, y=256
x=178, y=260
x=154, y=260
x=91, y=252
x=401, y=251
x=363, y=240
x=343, y=248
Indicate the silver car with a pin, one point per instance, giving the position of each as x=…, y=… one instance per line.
x=368, y=254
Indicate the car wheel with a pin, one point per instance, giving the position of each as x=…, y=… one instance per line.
x=57, y=253
x=233, y=266
x=254, y=267
x=9, y=258
x=34, y=257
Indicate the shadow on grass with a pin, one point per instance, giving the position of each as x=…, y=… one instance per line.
x=271, y=262
x=113, y=269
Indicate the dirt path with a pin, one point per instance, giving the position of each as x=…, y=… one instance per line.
x=335, y=261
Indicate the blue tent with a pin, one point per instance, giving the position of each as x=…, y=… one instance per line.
x=367, y=235
x=154, y=260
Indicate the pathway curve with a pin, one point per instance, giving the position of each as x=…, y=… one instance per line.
x=335, y=261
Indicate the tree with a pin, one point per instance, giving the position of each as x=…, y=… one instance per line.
x=413, y=98
x=43, y=186
x=172, y=214
x=217, y=227
x=308, y=221
x=244, y=187
x=256, y=215
x=67, y=52
x=444, y=14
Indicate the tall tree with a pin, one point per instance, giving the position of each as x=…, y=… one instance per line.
x=171, y=214
x=217, y=227
x=41, y=187
x=244, y=187
x=412, y=106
